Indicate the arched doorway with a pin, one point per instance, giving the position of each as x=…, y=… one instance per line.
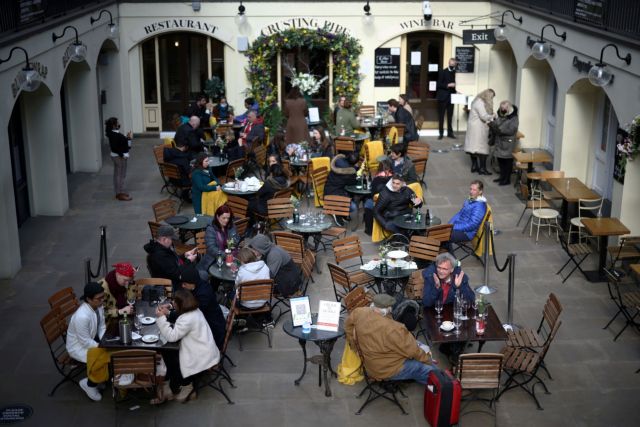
x=109, y=84
x=538, y=109
x=175, y=67
x=306, y=60
x=19, y=165
x=504, y=71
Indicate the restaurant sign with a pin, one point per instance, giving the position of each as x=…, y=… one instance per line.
x=309, y=23
x=181, y=24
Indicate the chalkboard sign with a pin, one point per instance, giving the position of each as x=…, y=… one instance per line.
x=591, y=11
x=466, y=57
x=386, y=69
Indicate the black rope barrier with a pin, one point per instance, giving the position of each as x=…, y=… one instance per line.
x=102, y=260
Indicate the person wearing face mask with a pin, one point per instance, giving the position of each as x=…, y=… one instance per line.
x=389, y=350
x=445, y=87
x=223, y=111
x=504, y=129
x=120, y=146
x=395, y=199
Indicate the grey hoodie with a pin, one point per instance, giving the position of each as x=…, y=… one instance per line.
x=274, y=256
x=257, y=270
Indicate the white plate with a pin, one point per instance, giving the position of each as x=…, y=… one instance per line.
x=150, y=339
x=446, y=326
x=148, y=320
x=397, y=254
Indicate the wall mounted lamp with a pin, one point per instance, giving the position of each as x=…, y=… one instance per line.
x=241, y=17
x=598, y=74
x=367, y=18
x=76, y=51
x=112, y=27
x=29, y=79
x=540, y=49
x=501, y=30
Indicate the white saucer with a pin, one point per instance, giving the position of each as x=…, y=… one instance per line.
x=446, y=326
x=150, y=339
x=148, y=320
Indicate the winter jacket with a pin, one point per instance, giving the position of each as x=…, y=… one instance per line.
x=166, y=264
x=208, y=304
x=346, y=119
x=216, y=241
x=407, y=169
x=200, y=179
x=179, y=158
x=271, y=186
x=341, y=175
x=504, y=129
x=391, y=203
x=254, y=130
x=476, y=141
x=285, y=273
x=431, y=294
x=404, y=117
x=257, y=270
x=84, y=328
x=468, y=218
x=443, y=92
x=186, y=135
x=118, y=143
x=378, y=183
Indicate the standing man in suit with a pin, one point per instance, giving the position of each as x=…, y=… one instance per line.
x=446, y=86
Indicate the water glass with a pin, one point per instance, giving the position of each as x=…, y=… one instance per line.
x=137, y=321
x=220, y=261
x=474, y=305
x=439, y=309
x=457, y=322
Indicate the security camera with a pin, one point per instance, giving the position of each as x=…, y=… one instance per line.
x=426, y=10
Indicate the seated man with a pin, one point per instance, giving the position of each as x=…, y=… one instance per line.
x=400, y=115
x=189, y=135
x=402, y=165
x=164, y=262
x=285, y=273
x=443, y=279
x=179, y=156
x=254, y=130
x=468, y=219
x=86, y=328
x=388, y=348
x=199, y=109
x=115, y=286
x=396, y=199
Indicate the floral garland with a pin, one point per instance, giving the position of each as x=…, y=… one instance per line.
x=346, y=52
x=629, y=147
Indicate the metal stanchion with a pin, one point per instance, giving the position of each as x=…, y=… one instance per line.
x=102, y=261
x=509, y=326
x=485, y=289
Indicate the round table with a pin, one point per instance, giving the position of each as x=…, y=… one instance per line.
x=407, y=222
x=216, y=162
x=201, y=222
x=240, y=193
x=224, y=274
x=325, y=340
x=299, y=163
x=310, y=230
x=390, y=280
x=353, y=189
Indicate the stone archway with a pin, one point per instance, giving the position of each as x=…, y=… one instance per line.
x=536, y=78
x=504, y=71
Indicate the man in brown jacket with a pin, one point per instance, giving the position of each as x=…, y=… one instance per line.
x=388, y=348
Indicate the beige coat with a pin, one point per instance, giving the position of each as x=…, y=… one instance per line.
x=198, y=350
x=476, y=140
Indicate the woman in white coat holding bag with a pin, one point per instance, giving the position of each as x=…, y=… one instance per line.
x=198, y=351
x=476, y=141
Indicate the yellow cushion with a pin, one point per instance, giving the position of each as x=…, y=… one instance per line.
x=480, y=247
x=376, y=150
x=392, y=137
x=417, y=188
x=318, y=162
x=212, y=200
x=169, y=142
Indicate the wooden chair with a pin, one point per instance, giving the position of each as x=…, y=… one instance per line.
x=140, y=363
x=66, y=301
x=241, y=226
x=238, y=205
x=367, y=110
x=349, y=248
x=441, y=233
x=139, y=285
x=551, y=194
x=424, y=248
x=358, y=297
x=336, y=206
x=628, y=303
x=418, y=150
x=285, y=193
x=319, y=179
x=174, y=178
x=578, y=252
x=158, y=153
x=372, y=150
x=232, y=167
x=626, y=251
x=308, y=262
x=479, y=371
x=200, y=243
x=377, y=387
x=277, y=210
x=475, y=246
x=342, y=283
x=255, y=290
x=522, y=365
x=164, y=209
x=415, y=286
x=292, y=243
x=344, y=144
x=261, y=156
x=54, y=328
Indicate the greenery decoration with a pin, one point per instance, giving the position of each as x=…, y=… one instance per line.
x=214, y=88
x=346, y=52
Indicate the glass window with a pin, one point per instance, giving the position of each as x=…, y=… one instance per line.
x=149, y=71
x=217, y=59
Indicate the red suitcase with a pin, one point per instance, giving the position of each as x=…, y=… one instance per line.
x=442, y=399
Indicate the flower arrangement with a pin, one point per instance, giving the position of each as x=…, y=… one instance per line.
x=383, y=250
x=221, y=143
x=238, y=172
x=362, y=169
x=295, y=201
x=231, y=243
x=629, y=146
x=262, y=55
x=307, y=83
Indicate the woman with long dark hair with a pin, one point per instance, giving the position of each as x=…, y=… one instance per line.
x=277, y=180
x=201, y=181
x=321, y=145
x=221, y=233
x=120, y=146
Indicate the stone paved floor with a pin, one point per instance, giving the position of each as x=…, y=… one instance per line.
x=594, y=382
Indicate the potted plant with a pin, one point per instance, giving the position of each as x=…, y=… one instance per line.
x=214, y=88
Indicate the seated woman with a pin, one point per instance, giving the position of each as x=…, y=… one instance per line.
x=341, y=174
x=219, y=235
x=223, y=111
x=201, y=181
x=198, y=351
x=402, y=165
x=320, y=145
x=396, y=199
x=277, y=180
x=251, y=268
x=377, y=184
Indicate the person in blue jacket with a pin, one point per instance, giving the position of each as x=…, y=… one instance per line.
x=442, y=279
x=468, y=219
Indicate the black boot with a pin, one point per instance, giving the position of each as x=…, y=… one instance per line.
x=483, y=165
x=474, y=163
x=368, y=222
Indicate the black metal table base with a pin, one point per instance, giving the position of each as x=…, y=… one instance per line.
x=323, y=360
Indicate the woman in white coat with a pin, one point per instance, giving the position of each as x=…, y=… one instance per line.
x=198, y=351
x=476, y=141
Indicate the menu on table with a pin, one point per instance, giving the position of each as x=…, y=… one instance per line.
x=300, y=310
x=328, y=316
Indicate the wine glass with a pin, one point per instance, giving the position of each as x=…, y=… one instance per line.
x=439, y=308
x=220, y=261
x=322, y=216
x=474, y=305
x=463, y=309
x=161, y=297
x=131, y=299
x=137, y=322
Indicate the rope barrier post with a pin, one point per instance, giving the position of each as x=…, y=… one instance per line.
x=87, y=270
x=103, y=248
x=485, y=254
x=512, y=272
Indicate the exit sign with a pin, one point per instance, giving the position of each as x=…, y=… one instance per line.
x=478, y=37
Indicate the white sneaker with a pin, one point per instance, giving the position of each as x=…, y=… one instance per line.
x=124, y=379
x=92, y=392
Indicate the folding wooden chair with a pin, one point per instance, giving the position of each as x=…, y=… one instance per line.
x=318, y=179
x=165, y=284
x=164, y=209
x=175, y=187
x=349, y=248
x=66, y=301
x=626, y=251
x=238, y=205
x=277, y=210
x=475, y=245
x=477, y=372
x=292, y=243
x=528, y=204
x=241, y=226
x=442, y=233
x=628, y=303
x=255, y=290
x=344, y=144
x=424, y=248
x=140, y=363
x=342, y=283
x=54, y=328
x=367, y=111
x=415, y=286
x=336, y=206
x=232, y=167
x=578, y=252
x=359, y=297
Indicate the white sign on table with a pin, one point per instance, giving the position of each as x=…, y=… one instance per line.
x=328, y=316
x=458, y=98
x=314, y=114
x=300, y=310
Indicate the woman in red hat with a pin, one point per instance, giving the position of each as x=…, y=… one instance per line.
x=115, y=289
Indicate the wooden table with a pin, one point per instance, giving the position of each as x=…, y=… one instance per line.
x=602, y=228
x=532, y=157
x=571, y=190
x=493, y=328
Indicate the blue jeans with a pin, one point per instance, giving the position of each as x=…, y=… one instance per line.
x=353, y=208
x=414, y=370
x=368, y=204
